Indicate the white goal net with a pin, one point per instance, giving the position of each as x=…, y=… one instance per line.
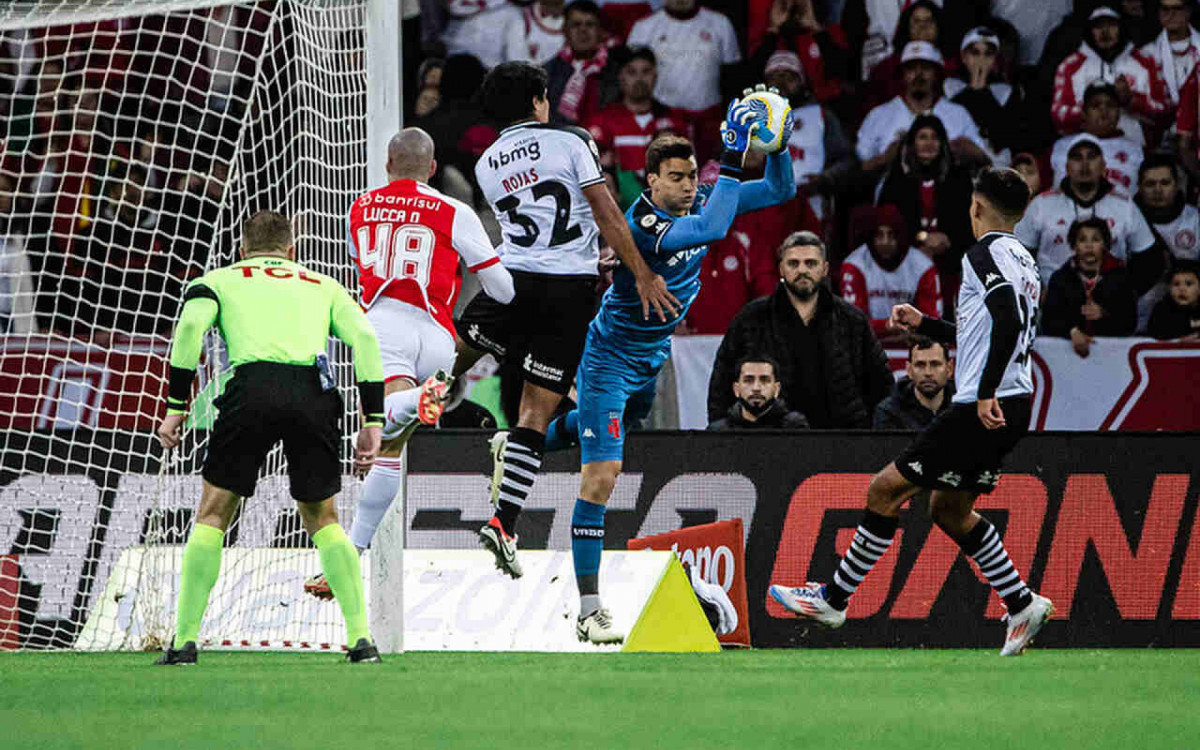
x=137, y=138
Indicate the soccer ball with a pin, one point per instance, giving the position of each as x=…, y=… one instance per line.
x=768, y=137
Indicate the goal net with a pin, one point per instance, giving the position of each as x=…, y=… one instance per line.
x=137, y=138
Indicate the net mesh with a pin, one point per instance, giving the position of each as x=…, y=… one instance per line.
x=137, y=138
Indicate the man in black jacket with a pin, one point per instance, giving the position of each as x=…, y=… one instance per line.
x=758, y=402
x=924, y=394
x=831, y=366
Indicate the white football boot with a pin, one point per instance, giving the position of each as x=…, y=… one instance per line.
x=598, y=628
x=496, y=446
x=1024, y=625
x=808, y=601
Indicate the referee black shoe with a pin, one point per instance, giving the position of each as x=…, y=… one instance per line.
x=178, y=657
x=364, y=652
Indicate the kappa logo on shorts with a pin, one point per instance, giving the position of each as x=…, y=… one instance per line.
x=587, y=432
x=989, y=477
x=533, y=367
x=915, y=466
x=950, y=478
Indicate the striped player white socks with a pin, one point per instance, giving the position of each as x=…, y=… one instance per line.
x=379, y=489
x=982, y=544
x=522, y=461
x=871, y=539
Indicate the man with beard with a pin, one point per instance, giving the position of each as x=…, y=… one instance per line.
x=885, y=126
x=1174, y=220
x=1083, y=193
x=1107, y=54
x=831, y=366
x=758, y=403
x=924, y=393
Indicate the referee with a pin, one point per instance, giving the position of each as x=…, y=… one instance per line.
x=275, y=316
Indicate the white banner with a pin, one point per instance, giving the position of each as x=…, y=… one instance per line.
x=1124, y=383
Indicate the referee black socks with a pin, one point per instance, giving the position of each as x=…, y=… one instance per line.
x=871, y=539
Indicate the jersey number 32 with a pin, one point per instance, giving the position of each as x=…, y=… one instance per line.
x=562, y=232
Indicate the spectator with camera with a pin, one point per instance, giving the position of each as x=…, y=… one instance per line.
x=759, y=404
x=1177, y=316
x=1092, y=294
x=923, y=393
x=831, y=366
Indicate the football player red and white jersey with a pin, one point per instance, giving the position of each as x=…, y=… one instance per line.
x=406, y=239
x=875, y=290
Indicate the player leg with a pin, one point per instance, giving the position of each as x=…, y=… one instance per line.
x=198, y=574
x=311, y=444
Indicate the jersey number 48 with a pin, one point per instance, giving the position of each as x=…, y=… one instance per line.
x=403, y=252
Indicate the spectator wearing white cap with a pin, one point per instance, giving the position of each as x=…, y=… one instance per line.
x=822, y=154
x=1085, y=192
x=1101, y=120
x=885, y=126
x=1177, y=47
x=1107, y=54
x=979, y=86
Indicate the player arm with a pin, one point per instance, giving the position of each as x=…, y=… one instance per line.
x=473, y=246
x=200, y=308
x=938, y=330
x=1001, y=304
x=613, y=226
x=710, y=225
x=351, y=326
x=777, y=185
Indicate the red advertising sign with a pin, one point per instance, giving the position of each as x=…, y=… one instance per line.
x=10, y=581
x=716, y=551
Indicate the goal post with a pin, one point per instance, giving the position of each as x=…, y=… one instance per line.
x=138, y=137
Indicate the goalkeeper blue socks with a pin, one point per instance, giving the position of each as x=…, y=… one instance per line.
x=587, y=542
x=563, y=432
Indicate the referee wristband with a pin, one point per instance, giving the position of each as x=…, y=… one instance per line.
x=370, y=397
x=179, y=389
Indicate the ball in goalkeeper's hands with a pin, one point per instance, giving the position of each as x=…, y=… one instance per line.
x=775, y=119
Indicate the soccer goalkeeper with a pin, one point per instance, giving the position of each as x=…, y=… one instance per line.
x=275, y=316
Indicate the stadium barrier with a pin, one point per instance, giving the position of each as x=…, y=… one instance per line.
x=1104, y=524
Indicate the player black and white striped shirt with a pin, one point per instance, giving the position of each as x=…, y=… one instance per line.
x=996, y=321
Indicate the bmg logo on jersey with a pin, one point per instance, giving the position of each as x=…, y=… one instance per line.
x=531, y=150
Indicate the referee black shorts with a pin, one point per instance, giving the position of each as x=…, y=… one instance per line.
x=956, y=452
x=543, y=328
x=264, y=403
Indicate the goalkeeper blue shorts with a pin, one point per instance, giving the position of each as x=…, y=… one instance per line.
x=615, y=386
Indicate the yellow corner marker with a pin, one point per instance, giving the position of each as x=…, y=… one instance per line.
x=672, y=620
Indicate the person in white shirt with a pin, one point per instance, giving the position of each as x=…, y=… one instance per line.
x=1177, y=47
x=472, y=28
x=692, y=44
x=885, y=126
x=536, y=34
x=1101, y=118
x=1083, y=193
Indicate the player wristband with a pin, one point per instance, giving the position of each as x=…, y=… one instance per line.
x=731, y=163
x=179, y=390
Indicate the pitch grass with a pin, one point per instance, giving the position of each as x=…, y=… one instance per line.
x=876, y=699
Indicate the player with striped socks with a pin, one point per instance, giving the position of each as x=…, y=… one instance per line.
x=959, y=455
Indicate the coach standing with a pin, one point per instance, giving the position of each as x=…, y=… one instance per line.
x=275, y=317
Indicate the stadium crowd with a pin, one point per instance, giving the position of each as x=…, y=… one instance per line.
x=116, y=159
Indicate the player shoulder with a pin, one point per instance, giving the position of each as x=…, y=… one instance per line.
x=917, y=260
x=645, y=220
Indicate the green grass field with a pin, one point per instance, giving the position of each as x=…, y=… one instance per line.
x=1140, y=699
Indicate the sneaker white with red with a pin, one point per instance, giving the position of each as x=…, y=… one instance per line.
x=318, y=587
x=434, y=392
x=1024, y=625
x=493, y=537
x=808, y=601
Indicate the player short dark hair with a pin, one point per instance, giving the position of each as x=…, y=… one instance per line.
x=1092, y=222
x=921, y=343
x=1184, y=265
x=755, y=358
x=1005, y=190
x=1157, y=161
x=267, y=231
x=803, y=238
x=509, y=90
x=667, y=147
